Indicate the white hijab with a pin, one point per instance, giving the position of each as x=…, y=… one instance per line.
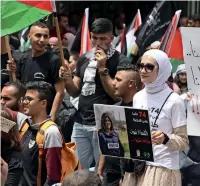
x=164, y=71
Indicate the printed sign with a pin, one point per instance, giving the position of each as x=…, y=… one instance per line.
x=124, y=132
x=191, y=51
x=139, y=134
x=6, y=124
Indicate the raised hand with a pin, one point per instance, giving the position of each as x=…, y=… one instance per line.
x=11, y=66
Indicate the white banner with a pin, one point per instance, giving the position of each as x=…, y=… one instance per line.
x=191, y=51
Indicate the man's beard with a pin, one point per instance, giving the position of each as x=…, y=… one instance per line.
x=15, y=108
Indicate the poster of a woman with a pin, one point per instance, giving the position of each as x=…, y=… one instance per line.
x=109, y=141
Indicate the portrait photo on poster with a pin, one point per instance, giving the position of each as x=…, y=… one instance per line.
x=124, y=132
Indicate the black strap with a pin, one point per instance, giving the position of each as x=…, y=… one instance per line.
x=162, y=107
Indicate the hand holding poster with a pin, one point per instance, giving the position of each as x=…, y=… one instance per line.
x=124, y=132
x=191, y=50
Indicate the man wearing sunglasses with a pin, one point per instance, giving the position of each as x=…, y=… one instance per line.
x=39, y=64
x=95, y=72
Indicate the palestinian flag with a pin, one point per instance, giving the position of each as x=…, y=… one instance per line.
x=82, y=42
x=123, y=41
x=19, y=14
x=130, y=38
x=171, y=42
x=167, y=40
x=176, y=52
x=85, y=34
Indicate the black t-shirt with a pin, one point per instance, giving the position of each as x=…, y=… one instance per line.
x=85, y=114
x=4, y=58
x=15, y=167
x=45, y=68
x=129, y=104
x=30, y=153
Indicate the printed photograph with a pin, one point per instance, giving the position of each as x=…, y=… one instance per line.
x=112, y=130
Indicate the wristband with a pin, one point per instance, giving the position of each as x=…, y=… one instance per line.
x=166, y=139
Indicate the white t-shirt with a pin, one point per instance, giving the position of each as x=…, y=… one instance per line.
x=172, y=116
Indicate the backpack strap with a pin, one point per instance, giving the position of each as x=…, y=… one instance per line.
x=40, y=142
x=23, y=129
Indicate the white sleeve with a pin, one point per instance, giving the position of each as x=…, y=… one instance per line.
x=20, y=119
x=52, y=137
x=178, y=113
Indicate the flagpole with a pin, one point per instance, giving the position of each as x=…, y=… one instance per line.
x=122, y=37
x=12, y=74
x=59, y=41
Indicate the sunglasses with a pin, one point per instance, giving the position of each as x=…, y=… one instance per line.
x=148, y=67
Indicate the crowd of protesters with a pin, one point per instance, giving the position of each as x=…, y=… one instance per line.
x=45, y=91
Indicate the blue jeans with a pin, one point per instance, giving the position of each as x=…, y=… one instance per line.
x=86, y=140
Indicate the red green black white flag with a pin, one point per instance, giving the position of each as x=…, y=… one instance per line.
x=19, y=14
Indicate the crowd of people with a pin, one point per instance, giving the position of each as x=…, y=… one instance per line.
x=61, y=97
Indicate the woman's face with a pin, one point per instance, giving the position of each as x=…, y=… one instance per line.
x=107, y=123
x=65, y=41
x=148, y=69
x=183, y=77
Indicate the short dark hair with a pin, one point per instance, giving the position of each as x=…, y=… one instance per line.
x=82, y=178
x=75, y=55
x=126, y=66
x=56, y=50
x=39, y=24
x=46, y=92
x=61, y=14
x=20, y=88
x=130, y=67
x=102, y=25
x=195, y=18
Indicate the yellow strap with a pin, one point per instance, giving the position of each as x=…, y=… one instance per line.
x=40, y=142
x=41, y=131
x=23, y=129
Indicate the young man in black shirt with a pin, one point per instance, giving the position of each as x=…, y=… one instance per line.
x=39, y=64
x=127, y=83
x=93, y=80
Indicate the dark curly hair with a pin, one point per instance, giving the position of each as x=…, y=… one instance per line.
x=45, y=90
x=102, y=25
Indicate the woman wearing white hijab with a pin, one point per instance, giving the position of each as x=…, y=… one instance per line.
x=180, y=78
x=68, y=40
x=169, y=131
